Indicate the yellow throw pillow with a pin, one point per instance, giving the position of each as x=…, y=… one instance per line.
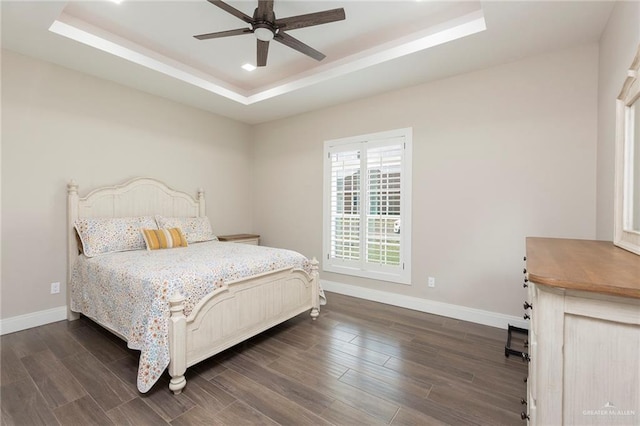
x=163, y=238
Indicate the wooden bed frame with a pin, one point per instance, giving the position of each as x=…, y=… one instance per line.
x=232, y=313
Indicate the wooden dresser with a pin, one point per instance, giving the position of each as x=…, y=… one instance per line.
x=584, y=338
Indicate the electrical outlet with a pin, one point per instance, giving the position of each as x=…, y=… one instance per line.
x=431, y=282
x=55, y=288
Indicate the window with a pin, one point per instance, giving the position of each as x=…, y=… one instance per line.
x=367, y=206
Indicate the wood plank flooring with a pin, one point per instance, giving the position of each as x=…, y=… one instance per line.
x=360, y=363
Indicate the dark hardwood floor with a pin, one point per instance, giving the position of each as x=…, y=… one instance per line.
x=361, y=362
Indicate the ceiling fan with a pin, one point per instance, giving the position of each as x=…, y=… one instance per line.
x=266, y=27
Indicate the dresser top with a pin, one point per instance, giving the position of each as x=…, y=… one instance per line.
x=587, y=265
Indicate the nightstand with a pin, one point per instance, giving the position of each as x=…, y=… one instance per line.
x=253, y=239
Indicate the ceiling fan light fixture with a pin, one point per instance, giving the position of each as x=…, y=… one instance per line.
x=264, y=34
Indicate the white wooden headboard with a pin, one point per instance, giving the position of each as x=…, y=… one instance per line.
x=137, y=197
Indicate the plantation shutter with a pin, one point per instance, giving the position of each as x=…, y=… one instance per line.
x=374, y=201
x=384, y=174
x=345, y=204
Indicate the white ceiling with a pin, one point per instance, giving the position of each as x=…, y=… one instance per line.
x=381, y=46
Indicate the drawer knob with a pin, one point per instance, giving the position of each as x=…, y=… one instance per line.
x=524, y=271
x=523, y=401
x=525, y=379
x=524, y=258
x=525, y=284
x=526, y=316
x=526, y=357
x=524, y=416
x=527, y=305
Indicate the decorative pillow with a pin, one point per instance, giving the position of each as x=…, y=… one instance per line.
x=163, y=238
x=195, y=229
x=100, y=235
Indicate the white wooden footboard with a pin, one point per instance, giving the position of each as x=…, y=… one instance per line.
x=235, y=312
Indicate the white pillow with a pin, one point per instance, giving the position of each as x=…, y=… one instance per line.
x=195, y=229
x=100, y=235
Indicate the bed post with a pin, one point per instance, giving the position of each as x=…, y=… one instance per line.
x=202, y=211
x=315, y=289
x=72, y=242
x=177, y=343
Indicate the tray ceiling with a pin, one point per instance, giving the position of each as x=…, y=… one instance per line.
x=380, y=46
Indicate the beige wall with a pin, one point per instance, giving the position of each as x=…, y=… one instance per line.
x=59, y=124
x=618, y=45
x=499, y=154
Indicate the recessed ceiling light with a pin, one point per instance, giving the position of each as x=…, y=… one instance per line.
x=248, y=67
x=117, y=1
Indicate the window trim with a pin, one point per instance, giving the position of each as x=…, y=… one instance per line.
x=403, y=274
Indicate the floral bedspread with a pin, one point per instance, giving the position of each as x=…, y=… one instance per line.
x=129, y=291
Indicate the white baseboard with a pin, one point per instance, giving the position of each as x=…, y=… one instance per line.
x=464, y=313
x=34, y=319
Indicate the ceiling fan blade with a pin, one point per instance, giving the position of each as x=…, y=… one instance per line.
x=310, y=19
x=294, y=43
x=265, y=10
x=219, y=34
x=263, y=50
x=232, y=10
